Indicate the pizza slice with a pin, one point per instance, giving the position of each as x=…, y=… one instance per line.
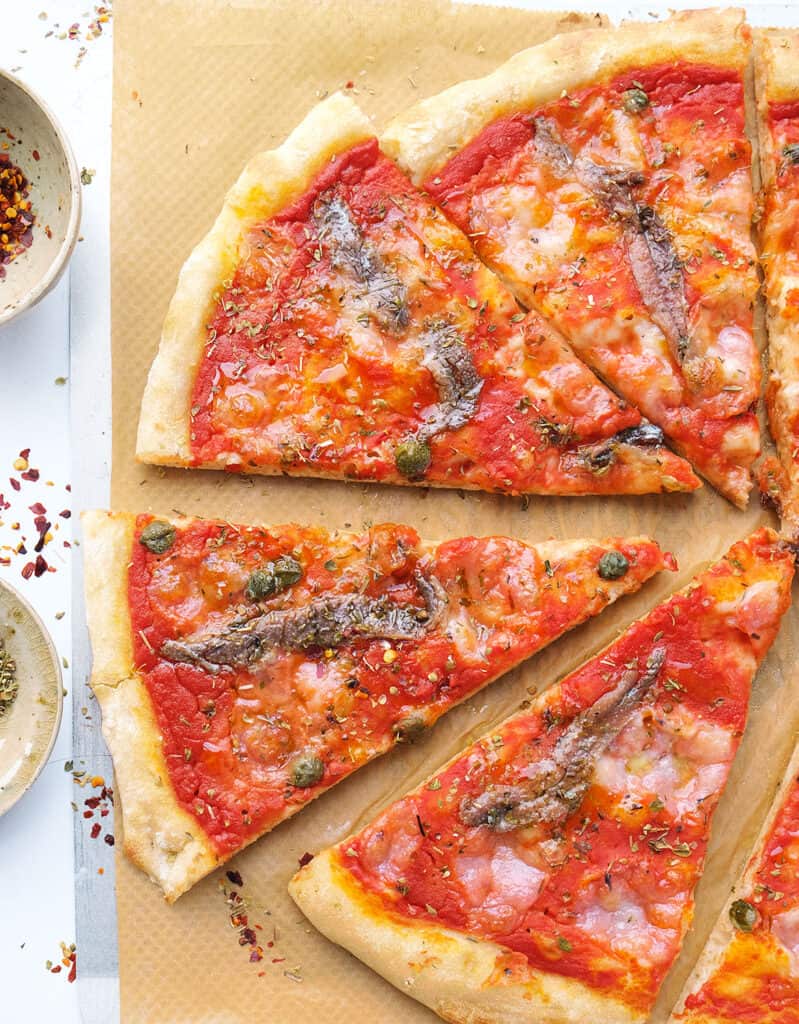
x=777, y=75
x=749, y=970
x=335, y=323
x=243, y=670
x=606, y=176
x=547, y=872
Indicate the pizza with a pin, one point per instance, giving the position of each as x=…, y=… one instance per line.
x=243, y=670
x=335, y=323
x=749, y=970
x=606, y=176
x=547, y=872
x=777, y=53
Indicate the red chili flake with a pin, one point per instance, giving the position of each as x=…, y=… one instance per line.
x=109, y=839
x=41, y=566
x=235, y=878
x=256, y=955
x=88, y=814
x=247, y=937
x=305, y=859
x=37, y=508
x=73, y=971
x=56, y=969
x=25, y=453
x=4, y=505
x=92, y=801
x=66, y=514
x=27, y=570
x=350, y=84
x=96, y=828
x=30, y=474
x=43, y=530
x=35, y=155
x=15, y=484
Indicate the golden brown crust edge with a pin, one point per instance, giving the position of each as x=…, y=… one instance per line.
x=425, y=137
x=160, y=837
x=446, y=971
x=723, y=930
x=267, y=184
x=776, y=58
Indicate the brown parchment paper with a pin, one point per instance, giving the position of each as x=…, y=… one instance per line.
x=199, y=86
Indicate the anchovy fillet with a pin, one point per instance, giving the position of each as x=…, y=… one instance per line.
x=386, y=295
x=655, y=265
x=324, y=622
x=600, y=456
x=459, y=384
x=556, y=785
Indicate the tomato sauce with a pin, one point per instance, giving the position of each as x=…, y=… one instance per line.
x=635, y=852
x=230, y=738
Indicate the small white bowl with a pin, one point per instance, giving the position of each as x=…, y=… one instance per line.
x=29, y=728
x=55, y=196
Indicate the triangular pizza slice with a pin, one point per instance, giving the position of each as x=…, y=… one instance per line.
x=749, y=970
x=547, y=872
x=777, y=77
x=335, y=323
x=606, y=175
x=243, y=670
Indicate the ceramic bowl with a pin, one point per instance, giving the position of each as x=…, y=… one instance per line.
x=28, y=728
x=30, y=130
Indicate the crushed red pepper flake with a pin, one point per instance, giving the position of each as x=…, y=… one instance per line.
x=16, y=215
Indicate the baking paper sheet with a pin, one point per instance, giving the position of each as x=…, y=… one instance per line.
x=199, y=88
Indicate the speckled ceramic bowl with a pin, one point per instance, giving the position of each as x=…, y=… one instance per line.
x=54, y=193
x=29, y=727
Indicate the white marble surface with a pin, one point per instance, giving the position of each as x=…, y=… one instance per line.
x=67, y=428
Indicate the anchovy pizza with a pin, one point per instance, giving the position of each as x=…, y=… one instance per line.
x=547, y=872
x=335, y=323
x=606, y=176
x=749, y=971
x=777, y=76
x=243, y=670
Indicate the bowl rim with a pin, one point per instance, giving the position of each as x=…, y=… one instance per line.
x=59, y=680
x=61, y=258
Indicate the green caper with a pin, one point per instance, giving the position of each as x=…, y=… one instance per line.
x=307, y=771
x=743, y=915
x=275, y=576
x=410, y=728
x=412, y=457
x=635, y=100
x=158, y=536
x=612, y=565
x=791, y=152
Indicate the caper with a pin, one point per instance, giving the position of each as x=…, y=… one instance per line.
x=410, y=728
x=635, y=100
x=612, y=565
x=306, y=771
x=791, y=152
x=743, y=915
x=275, y=576
x=158, y=536
x=412, y=457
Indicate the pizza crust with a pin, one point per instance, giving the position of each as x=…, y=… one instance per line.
x=455, y=976
x=724, y=931
x=424, y=138
x=269, y=183
x=160, y=837
x=776, y=54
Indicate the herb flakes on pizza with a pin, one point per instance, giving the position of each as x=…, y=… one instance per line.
x=749, y=971
x=243, y=670
x=777, y=77
x=335, y=323
x=547, y=872
x=606, y=175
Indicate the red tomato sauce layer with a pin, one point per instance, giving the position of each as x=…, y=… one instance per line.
x=301, y=374
x=606, y=897
x=230, y=739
